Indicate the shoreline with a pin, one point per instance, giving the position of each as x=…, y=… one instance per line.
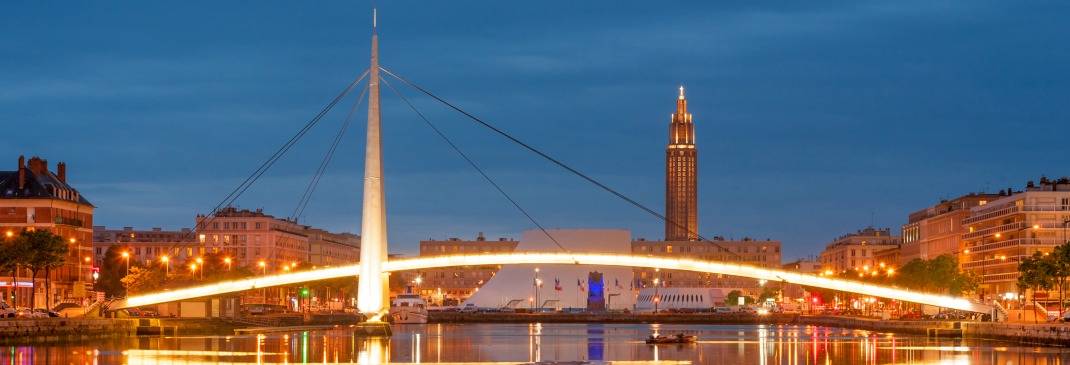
x=53, y=330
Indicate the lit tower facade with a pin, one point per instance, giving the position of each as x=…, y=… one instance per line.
x=681, y=176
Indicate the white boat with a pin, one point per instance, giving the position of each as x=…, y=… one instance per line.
x=408, y=308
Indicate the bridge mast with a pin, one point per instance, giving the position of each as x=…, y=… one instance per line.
x=372, y=292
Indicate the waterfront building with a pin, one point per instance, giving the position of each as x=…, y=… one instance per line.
x=562, y=286
x=762, y=253
x=1003, y=231
x=33, y=198
x=453, y=285
x=938, y=229
x=147, y=246
x=252, y=236
x=805, y=266
x=681, y=176
x=858, y=251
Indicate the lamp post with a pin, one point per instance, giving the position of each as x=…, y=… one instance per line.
x=535, y=286
x=200, y=263
x=166, y=264
x=657, y=298
x=263, y=270
x=126, y=257
x=226, y=260
x=416, y=285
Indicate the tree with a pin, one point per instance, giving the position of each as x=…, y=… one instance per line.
x=733, y=298
x=47, y=250
x=12, y=253
x=112, y=270
x=143, y=279
x=1060, y=270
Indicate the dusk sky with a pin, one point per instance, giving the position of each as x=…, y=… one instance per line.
x=813, y=120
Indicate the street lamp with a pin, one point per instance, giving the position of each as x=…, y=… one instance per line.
x=263, y=266
x=166, y=264
x=657, y=298
x=226, y=260
x=416, y=284
x=193, y=269
x=535, y=284
x=9, y=234
x=200, y=262
x=126, y=256
x=263, y=291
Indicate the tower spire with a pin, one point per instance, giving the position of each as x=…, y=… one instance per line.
x=681, y=176
x=371, y=289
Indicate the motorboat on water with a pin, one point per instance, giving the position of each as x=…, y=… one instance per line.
x=678, y=338
x=408, y=308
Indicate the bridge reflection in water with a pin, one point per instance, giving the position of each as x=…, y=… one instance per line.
x=526, y=343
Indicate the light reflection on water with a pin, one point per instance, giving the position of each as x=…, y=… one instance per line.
x=528, y=343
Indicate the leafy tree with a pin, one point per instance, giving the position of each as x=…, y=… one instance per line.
x=12, y=254
x=112, y=270
x=46, y=250
x=1060, y=270
x=143, y=279
x=733, y=298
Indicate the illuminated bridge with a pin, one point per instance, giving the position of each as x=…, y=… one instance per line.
x=371, y=272
x=564, y=258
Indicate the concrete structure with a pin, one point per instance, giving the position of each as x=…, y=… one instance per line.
x=32, y=198
x=373, y=290
x=746, y=251
x=937, y=230
x=857, y=251
x=147, y=246
x=676, y=299
x=452, y=285
x=252, y=236
x=1017, y=224
x=562, y=286
x=681, y=176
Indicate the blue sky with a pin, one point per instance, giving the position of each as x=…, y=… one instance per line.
x=813, y=118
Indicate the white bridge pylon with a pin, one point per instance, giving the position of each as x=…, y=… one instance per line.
x=713, y=267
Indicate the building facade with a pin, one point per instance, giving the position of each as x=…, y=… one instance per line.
x=252, y=236
x=747, y=251
x=147, y=246
x=999, y=234
x=681, y=176
x=34, y=198
x=858, y=251
x=452, y=285
x=938, y=230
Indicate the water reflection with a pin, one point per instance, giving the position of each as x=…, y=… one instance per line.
x=524, y=343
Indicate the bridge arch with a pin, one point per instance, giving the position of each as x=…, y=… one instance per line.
x=603, y=259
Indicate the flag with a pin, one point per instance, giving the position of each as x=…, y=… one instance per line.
x=579, y=284
x=557, y=284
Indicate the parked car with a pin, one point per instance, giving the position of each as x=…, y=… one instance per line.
x=469, y=308
x=45, y=313
x=723, y=310
x=29, y=313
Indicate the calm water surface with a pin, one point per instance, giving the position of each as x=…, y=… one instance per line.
x=524, y=343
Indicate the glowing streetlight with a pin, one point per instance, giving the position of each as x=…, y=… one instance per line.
x=193, y=268
x=72, y=240
x=263, y=266
x=9, y=234
x=226, y=260
x=166, y=265
x=126, y=256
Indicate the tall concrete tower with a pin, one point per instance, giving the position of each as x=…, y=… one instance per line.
x=371, y=286
x=681, y=176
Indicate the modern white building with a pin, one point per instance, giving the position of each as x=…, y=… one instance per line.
x=562, y=286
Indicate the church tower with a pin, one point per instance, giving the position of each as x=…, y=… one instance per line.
x=681, y=176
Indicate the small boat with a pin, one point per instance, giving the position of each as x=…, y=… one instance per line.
x=408, y=308
x=678, y=338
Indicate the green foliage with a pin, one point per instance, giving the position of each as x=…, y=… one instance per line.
x=938, y=275
x=732, y=298
x=112, y=270
x=1046, y=272
x=41, y=250
x=143, y=279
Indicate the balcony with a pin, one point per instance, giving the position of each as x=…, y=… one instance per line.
x=994, y=212
x=992, y=263
x=999, y=212
x=1023, y=243
x=993, y=230
x=67, y=221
